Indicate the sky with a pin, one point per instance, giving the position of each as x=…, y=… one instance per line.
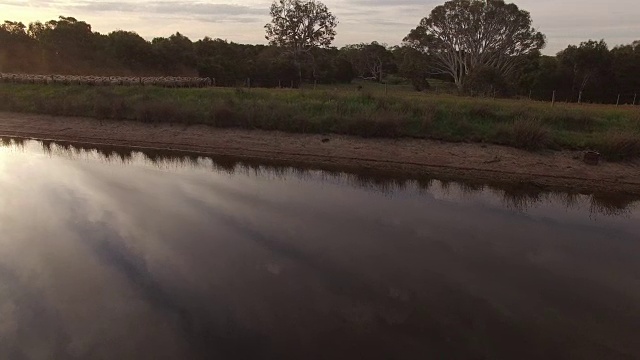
x=564, y=22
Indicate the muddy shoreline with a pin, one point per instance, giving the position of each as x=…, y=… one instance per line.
x=561, y=170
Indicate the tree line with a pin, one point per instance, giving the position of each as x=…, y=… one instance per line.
x=484, y=48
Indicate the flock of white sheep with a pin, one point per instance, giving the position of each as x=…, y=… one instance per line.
x=167, y=81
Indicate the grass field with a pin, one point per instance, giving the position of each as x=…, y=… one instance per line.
x=372, y=111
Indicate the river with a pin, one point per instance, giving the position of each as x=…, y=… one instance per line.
x=111, y=253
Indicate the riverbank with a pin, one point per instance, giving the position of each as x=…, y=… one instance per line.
x=613, y=131
x=410, y=157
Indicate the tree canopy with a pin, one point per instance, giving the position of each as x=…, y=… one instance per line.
x=301, y=25
x=298, y=26
x=462, y=36
x=369, y=60
x=586, y=62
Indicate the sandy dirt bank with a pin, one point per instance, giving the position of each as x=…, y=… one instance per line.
x=404, y=157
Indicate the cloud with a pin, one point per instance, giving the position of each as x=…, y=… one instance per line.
x=199, y=11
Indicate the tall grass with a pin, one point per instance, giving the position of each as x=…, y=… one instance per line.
x=614, y=131
x=524, y=133
x=616, y=146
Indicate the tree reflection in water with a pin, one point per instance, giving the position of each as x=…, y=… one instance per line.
x=518, y=197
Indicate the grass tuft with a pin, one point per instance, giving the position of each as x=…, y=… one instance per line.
x=167, y=112
x=482, y=111
x=529, y=134
x=618, y=146
x=224, y=116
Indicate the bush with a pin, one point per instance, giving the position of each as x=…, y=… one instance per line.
x=429, y=117
x=395, y=80
x=110, y=108
x=482, y=111
x=160, y=111
x=619, y=146
x=528, y=134
x=572, y=122
x=225, y=116
x=51, y=106
x=377, y=124
x=8, y=103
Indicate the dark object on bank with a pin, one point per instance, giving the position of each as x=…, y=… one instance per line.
x=591, y=157
x=325, y=140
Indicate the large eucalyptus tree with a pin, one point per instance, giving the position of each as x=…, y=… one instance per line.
x=298, y=26
x=462, y=36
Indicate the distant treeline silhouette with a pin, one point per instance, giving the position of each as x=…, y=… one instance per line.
x=589, y=72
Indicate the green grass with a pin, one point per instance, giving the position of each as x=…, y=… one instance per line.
x=369, y=112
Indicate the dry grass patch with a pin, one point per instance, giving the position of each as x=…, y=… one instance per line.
x=619, y=146
x=530, y=134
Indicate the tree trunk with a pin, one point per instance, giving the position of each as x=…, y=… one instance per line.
x=298, y=65
x=459, y=85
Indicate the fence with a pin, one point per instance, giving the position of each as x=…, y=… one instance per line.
x=584, y=97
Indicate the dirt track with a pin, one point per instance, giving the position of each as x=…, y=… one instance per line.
x=406, y=156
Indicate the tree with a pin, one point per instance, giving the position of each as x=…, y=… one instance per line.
x=298, y=26
x=130, y=50
x=413, y=65
x=462, y=36
x=67, y=44
x=626, y=67
x=587, y=63
x=16, y=47
x=368, y=60
x=175, y=54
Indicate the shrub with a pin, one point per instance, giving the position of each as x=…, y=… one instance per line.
x=102, y=108
x=618, y=146
x=528, y=134
x=110, y=108
x=224, y=116
x=366, y=96
x=395, y=80
x=160, y=111
x=51, y=106
x=8, y=103
x=119, y=109
x=429, y=117
x=482, y=111
x=379, y=124
x=572, y=122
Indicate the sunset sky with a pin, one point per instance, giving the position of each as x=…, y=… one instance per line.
x=564, y=22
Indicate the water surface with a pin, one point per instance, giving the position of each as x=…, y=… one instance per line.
x=118, y=254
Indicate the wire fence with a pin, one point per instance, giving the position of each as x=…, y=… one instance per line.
x=584, y=97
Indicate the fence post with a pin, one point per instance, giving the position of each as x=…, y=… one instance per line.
x=292, y=84
x=635, y=97
x=279, y=84
x=618, y=101
x=530, y=94
x=315, y=84
x=579, y=97
x=249, y=83
x=386, y=89
x=553, y=99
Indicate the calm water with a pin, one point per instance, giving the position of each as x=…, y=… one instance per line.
x=114, y=254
